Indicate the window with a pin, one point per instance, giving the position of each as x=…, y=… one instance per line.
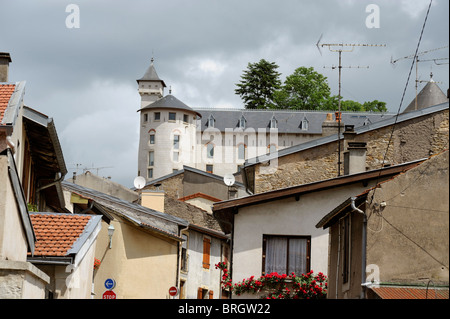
x=304, y=124
x=210, y=150
x=176, y=142
x=273, y=123
x=172, y=116
x=209, y=168
x=242, y=121
x=186, y=118
x=241, y=151
x=152, y=138
x=175, y=156
x=145, y=117
x=151, y=158
x=206, y=252
x=286, y=254
x=184, y=256
x=150, y=173
x=157, y=116
x=211, y=121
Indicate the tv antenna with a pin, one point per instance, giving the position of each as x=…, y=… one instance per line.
x=412, y=56
x=342, y=47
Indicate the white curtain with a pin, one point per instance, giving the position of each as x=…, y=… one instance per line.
x=297, y=256
x=276, y=255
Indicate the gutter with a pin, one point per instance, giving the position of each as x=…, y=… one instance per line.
x=364, y=252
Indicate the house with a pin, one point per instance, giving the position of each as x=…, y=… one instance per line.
x=275, y=231
x=31, y=170
x=407, y=137
x=391, y=241
x=137, y=249
x=64, y=250
x=219, y=141
x=200, y=242
x=204, y=245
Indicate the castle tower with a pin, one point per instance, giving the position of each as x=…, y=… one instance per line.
x=167, y=138
x=150, y=86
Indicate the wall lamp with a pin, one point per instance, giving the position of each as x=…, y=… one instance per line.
x=110, y=234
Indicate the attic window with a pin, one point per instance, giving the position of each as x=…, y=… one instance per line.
x=273, y=122
x=211, y=121
x=304, y=124
x=242, y=121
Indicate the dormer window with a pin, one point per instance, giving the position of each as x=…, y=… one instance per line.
x=273, y=122
x=304, y=124
x=242, y=121
x=211, y=121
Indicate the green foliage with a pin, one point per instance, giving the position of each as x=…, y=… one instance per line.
x=258, y=84
x=305, y=89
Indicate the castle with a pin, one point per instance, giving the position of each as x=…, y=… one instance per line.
x=219, y=141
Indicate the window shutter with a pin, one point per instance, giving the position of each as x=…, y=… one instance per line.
x=211, y=293
x=200, y=293
x=206, y=252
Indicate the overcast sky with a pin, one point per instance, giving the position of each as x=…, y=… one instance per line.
x=85, y=78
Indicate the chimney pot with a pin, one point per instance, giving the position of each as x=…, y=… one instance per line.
x=5, y=60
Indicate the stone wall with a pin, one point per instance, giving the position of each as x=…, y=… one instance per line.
x=411, y=140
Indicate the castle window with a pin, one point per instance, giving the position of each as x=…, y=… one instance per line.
x=303, y=124
x=242, y=121
x=210, y=150
x=172, y=116
x=273, y=123
x=209, y=168
x=175, y=156
x=151, y=158
x=176, y=142
x=145, y=117
x=157, y=116
x=211, y=121
x=186, y=118
x=241, y=151
x=150, y=173
x=152, y=138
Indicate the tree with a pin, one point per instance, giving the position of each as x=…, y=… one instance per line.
x=305, y=89
x=258, y=84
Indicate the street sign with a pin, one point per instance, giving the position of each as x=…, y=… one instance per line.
x=109, y=294
x=173, y=291
x=110, y=283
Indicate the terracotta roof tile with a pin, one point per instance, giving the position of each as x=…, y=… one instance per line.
x=410, y=293
x=56, y=233
x=6, y=90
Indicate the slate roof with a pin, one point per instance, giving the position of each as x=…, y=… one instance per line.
x=169, y=102
x=288, y=121
x=430, y=95
x=61, y=234
x=151, y=75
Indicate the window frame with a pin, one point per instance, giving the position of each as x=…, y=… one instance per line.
x=308, y=250
x=174, y=115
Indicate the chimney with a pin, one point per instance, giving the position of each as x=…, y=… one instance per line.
x=330, y=126
x=5, y=60
x=153, y=199
x=355, y=152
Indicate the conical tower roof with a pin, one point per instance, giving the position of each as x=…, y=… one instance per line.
x=430, y=95
x=170, y=102
x=151, y=75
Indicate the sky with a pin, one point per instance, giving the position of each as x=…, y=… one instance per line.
x=82, y=72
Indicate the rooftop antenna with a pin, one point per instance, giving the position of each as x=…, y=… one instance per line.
x=417, y=63
x=342, y=47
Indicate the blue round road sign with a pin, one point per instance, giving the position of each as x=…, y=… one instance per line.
x=110, y=283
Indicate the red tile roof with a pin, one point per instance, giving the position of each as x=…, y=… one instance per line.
x=410, y=293
x=56, y=233
x=6, y=90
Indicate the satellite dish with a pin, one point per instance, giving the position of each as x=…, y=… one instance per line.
x=228, y=179
x=139, y=182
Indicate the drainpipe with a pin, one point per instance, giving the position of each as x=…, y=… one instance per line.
x=364, y=241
